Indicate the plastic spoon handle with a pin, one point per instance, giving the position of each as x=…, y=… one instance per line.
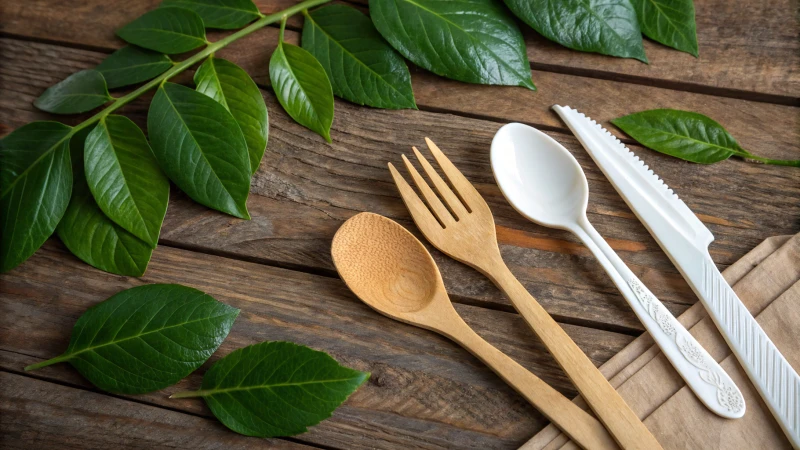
x=702, y=373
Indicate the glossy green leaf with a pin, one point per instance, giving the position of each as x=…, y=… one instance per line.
x=362, y=67
x=131, y=65
x=608, y=27
x=146, y=338
x=222, y=14
x=125, y=179
x=90, y=235
x=79, y=92
x=276, y=388
x=166, y=30
x=233, y=88
x=682, y=134
x=302, y=88
x=476, y=41
x=35, y=187
x=201, y=148
x=670, y=22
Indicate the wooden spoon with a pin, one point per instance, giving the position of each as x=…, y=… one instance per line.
x=391, y=271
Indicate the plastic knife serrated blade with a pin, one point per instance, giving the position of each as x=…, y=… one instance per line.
x=634, y=181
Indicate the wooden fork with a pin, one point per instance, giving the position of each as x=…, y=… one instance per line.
x=466, y=232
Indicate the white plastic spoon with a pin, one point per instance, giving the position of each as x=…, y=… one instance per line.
x=545, y=183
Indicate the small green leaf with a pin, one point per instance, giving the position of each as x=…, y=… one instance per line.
x=302, y=88
x=682, y=134
x=166, y=30
x=608, y=27
x=276, y=388
x=670, y=22
x=90, y=235
x=79, y=92
x=35, y=187
x=125, y=179
x=146, y=338
x=201, y=148
x=222, y=14
x=131, y=65
x=362, y=67
x=689, y=136
x=233, y=88
x=476, y=41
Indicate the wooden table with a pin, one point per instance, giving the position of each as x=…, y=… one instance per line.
x=425, y=392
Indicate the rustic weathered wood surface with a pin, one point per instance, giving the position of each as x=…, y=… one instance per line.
x=425, y=392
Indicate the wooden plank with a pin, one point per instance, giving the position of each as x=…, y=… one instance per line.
x=424, y=389
x=747, y=49
x=306, y=188
x=39, y=414
x=771, y=130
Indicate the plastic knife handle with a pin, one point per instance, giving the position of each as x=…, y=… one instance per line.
x=704, y=376
x=772, y=375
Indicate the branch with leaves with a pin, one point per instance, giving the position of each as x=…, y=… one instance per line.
x=103, y=186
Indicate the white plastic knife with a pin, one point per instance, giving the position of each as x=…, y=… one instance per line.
x=685, y=240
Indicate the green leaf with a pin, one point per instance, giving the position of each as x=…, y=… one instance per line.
x=146, y=338
x=35, y=186
x=201, y=148
x=79, y=92
x=609, y=27
x=233, y=88
x=682, y=134
x=90, y=235
x=670, y=22
x=362, y=67
x=125, y=179
x=222, y=14
x=276, y=388
x=302, y=88
x=131, y=65
x=166, y=30
x=475, y=41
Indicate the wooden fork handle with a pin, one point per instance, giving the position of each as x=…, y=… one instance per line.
x=581, y=427
x=609, y=406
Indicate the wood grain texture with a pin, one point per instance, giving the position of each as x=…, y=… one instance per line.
x=424, y=392
x=41, y=414
x=305, y=189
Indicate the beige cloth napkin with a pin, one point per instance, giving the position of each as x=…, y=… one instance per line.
x=767, y=280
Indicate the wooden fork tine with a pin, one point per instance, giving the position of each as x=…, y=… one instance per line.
x=419, y=212
x=430, y=197
x=441, y=186
x=464, y=188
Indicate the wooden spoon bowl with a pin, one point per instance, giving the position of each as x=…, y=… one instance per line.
x=388, y=268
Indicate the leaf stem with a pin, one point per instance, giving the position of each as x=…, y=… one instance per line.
x=283, y=27
x=775, y=162
x=39, y=365
x=197, y=57
x=189, y=394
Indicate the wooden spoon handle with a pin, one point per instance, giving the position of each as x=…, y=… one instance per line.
x=581, y=427
x=609, y=406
